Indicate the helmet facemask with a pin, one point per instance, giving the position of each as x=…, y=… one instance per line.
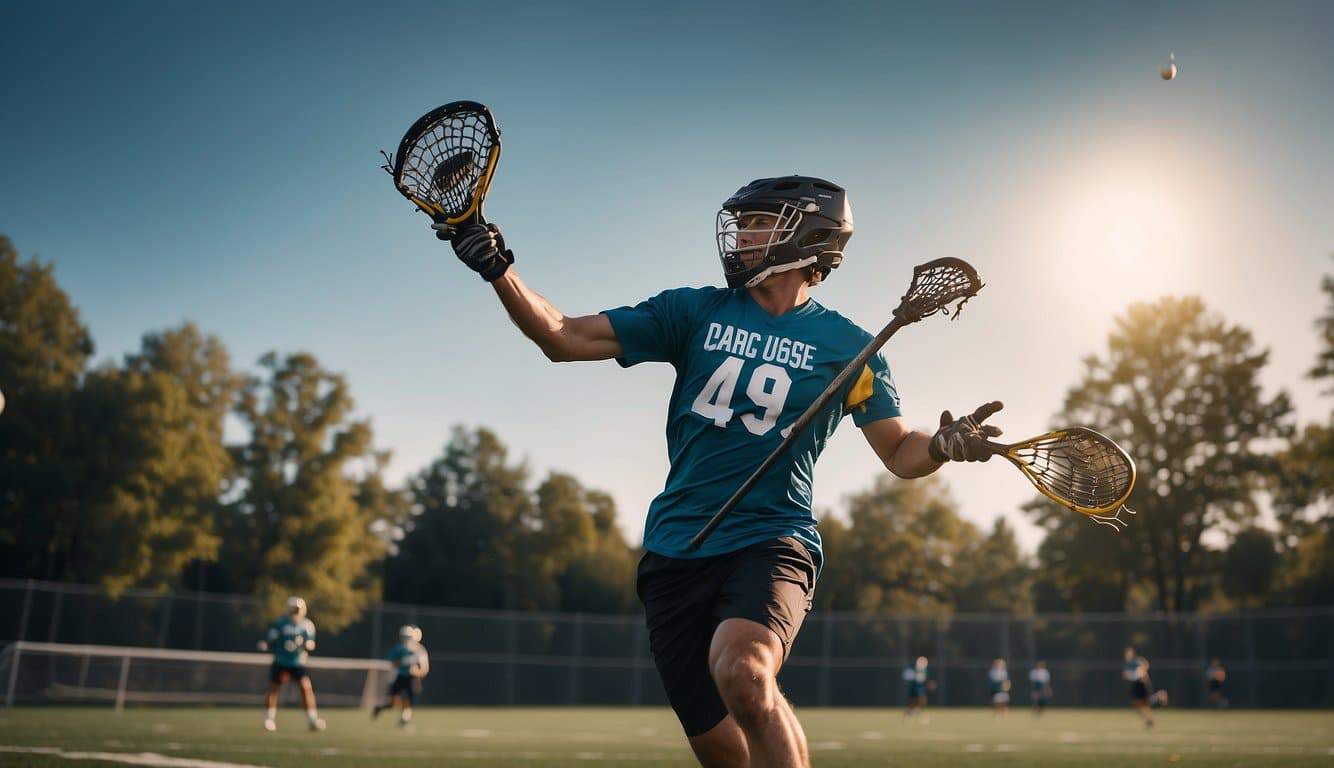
x=746, y=263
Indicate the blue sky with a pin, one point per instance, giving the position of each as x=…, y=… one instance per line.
x=219, y=163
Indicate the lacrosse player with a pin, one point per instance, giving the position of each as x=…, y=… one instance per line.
x=412, y=664
x=919, y=684
x=291, y=639
x=1039, y=682
x=749, y=358
x=999, y=678
x=1142, y=697
x=1214, y=677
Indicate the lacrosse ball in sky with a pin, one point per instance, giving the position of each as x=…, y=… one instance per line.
x=1169, y=72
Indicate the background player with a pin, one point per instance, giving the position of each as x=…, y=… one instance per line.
x=291, y=639
x=749, y=358
x=999, y=678
x=1039, y=681
x=1214, y=678
x=920, y=684
x=1136, y=672
x=412, y=665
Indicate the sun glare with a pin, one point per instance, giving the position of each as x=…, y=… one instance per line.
x=1128, y=232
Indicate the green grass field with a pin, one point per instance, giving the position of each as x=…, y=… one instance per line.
x=640, y=737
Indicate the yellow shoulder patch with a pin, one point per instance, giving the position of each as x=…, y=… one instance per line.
x=861, y=390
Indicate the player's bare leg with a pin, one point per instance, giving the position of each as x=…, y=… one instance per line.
x=271, y=707
x=308, y=701
x=722, y=746
x=744, y=659
x=394, y=701
x=1145, y=713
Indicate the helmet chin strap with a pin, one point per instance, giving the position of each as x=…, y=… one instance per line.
x=779, y=268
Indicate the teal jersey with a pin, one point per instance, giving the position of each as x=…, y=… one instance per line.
x=743, y=377
x=288, y=641
x=405, y=657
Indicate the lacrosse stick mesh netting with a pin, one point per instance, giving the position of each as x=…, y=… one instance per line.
x=445, y=162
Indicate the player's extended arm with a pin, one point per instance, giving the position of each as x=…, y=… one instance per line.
x=562, y=339
x=903, y=451
x=910, y=454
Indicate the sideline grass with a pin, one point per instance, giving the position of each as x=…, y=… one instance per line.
x=847, y=738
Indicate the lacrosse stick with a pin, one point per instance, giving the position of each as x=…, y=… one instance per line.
x=1078, y=468
x=445, y=162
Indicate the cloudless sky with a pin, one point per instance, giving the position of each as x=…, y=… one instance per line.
x=218, y=162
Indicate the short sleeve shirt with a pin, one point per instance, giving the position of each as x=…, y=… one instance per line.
x=288, y=640
x=743, y=377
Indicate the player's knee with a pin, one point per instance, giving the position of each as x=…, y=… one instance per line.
x=747, y=688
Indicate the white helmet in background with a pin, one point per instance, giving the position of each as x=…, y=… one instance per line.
x=410, y=634
x=296, y=607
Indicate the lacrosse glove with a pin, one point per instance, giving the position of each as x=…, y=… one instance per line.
x=965, y=439
x=479, y=246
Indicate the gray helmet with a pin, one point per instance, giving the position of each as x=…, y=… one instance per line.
x=813, y=222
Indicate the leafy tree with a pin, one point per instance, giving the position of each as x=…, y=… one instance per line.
x=1304, y=482
x=44, y=351
x=1304, y=488
x=991, y=575
x=43, y=343
x=462, y=540
x=1324, y=365
x=898, y=551
x=1308, y=568
x=479, y=537
x=598, y=576
x=298, y=525
x=1249, y=565
x=1179, y=389
x=1079, y=568
x=198, y=362
x=152, y=472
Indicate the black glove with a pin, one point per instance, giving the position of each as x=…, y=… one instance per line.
x=965, y=439
x=480, y=246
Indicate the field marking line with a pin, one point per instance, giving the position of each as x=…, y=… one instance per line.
x=137, y=758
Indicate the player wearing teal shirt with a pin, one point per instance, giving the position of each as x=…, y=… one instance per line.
x=749, y=358
x=743, y=376
x=1039, y=681
x=411, y=665
x=290, y=639
x=918, y=679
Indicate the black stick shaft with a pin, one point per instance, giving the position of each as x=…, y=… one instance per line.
x=798, y=426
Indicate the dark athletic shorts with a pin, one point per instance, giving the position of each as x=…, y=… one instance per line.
x=406, y=686
x=770, y=583
x=279, y=672
x=1139, y=691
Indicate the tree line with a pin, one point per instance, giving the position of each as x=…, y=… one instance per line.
x=121, y=474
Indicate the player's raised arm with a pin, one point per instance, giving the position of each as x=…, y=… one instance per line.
x=909, y=454
x=561, y=338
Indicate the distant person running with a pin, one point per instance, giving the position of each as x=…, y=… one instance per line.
x=1039, y=681
x=291, y=639
x=412, y=665
x=1143, y=699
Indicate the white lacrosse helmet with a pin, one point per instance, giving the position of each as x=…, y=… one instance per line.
x=408, y=633
x=296, y=606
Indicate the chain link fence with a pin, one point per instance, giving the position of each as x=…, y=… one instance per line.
x=1274, y=658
